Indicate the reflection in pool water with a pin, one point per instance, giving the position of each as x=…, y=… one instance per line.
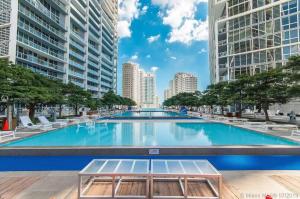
x=152, y=134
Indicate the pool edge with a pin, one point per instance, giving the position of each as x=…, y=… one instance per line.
x=148, y=151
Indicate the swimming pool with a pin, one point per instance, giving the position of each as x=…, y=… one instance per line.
x=148, y=134
x=149, y=114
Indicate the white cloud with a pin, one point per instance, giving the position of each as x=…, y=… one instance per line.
x=180, y=16
x=134, y=57
x=128, y=11
x=154, y=69
x=148, y=56
x=144, y=10
x=154, y=38
x=203, y=50
x=174, y=58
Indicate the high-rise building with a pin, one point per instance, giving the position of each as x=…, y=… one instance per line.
x=139, y=86
x=131, y=82
x=250, y=36
x=73, y=41
x=182, y=83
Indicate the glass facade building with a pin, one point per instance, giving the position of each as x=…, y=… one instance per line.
x=70, y=40
x=250, y=36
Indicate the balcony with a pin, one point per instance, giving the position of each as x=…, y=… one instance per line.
x=93, y=64
x=76, y=74
x=93, y=72
x=92, y=88
x=95, y=58
x=77, y=65
x=77, y=37
x=78, y=83
x=77, y=46
x=41, y=36
x=37, y=61
x=46, y=51
x=60, y=5
x=42, y=9
x=93, y=80
x=41, y=23
x=77, y=55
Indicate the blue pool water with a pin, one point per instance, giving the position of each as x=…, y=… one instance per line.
x=221, y=162
x=151, y=134
x=149, y=114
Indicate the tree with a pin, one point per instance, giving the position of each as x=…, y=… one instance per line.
x=77, y=97
x=268, y=88
x=209, y=97
x=292, y=69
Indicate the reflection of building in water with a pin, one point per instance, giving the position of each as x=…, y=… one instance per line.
x=148, y=133
x=187, y=132
x=130, y=134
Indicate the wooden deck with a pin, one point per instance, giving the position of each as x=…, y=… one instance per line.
x=63, y=185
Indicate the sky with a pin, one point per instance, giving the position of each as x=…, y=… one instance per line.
x=165, y=37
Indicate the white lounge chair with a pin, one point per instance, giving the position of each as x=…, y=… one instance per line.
x=27, y=123
x=4, y=134
x=295, y=132
x=44, y=121
x=281, y=126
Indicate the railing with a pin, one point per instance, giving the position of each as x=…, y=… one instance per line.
x=93, y=80
x=40, y=35
x=93, y=88
x=76, y=55
x=76, y=74
x=93, y=64
x=93, y=72
x=78, y=83
x=60, y=4
x=38, y=47
x=38, y=61
x=77, y=46
x=77, y=65
x=38, y=5
x=41, y=22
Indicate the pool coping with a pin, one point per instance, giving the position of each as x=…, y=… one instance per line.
x=150, y=151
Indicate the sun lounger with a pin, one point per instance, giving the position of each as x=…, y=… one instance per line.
x=44, y=121
x=295, y=132
x=4, y=134
x=281, y=126
x=27, y=123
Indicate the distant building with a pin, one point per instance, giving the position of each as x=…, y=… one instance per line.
x=131, y=82
x=139, y=86
x=71, y=41
x=182, y=83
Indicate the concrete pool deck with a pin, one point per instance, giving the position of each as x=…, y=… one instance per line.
x=63, y=185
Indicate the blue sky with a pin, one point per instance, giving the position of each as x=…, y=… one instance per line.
x=169, y=36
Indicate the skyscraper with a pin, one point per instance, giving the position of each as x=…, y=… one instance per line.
x=73, y=41
x=182, y=83
x=139, y=86
x=131, y=82
x=250, y=36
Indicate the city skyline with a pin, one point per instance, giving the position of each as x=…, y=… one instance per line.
x=149, y=37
